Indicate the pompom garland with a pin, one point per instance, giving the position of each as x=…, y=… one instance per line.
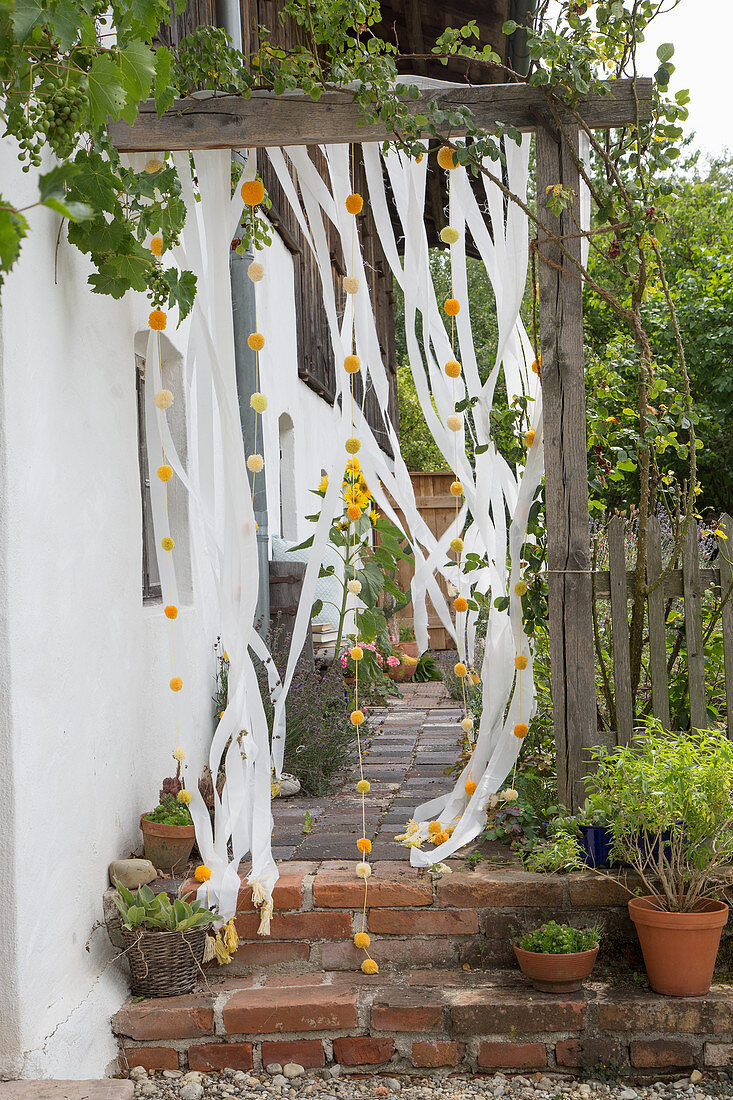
x=255, y=463
x=520, y=587
x=362, y=939
x=467, y=725
x=357, y=717
x=171, y=612
x=449, y=235
x=352, y=364
x=456, y=545
x=153, y=165
x=521, y=730
x=351, y=284
x=255, y=272
x=157, y=320
x=521, y=661
x=363, y=786
x=456, y=488
x=454, y=422
x=354, y=586
x=256, y=341
x=369, y=966
x=167, y=542
x=452, y=307
x=460, y=603
x=469, y=787
x=353, y=512
x=252, y=192
x=258, y=401
x=460, y=670
x=165, y=472
x=176, y=683
x=529, y=437
x=156, y=246
x=352, y=445
x=163, y=399
x=447, y=158
x=453, y=368
x=354, y=203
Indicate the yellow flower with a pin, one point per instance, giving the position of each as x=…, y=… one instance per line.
x=353, y=466
x=202, y=873
x=361, y=500
x=323, y=484
x=374, y=515
x=369, y=967
x=184, y=797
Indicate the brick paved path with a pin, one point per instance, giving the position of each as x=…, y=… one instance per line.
x=407, y=748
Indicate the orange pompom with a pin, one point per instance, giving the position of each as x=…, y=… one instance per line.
x=156, y=246
x=452, y=307
x=460, y=603
x=440, y=838
x=354, y=203
x=453, y=368
x=353, y=512
x=521, y=730
x=176, y=683
x=157, y=320
x=529, y=437
x=256, y=341
x=520, y=661
x=364, y=845
x=253, y=192
x=537, y=366
x=352, y=364
x=202, y=873
x=171, y=612
x=447, y=158
x=165, y=472
x=469, y=787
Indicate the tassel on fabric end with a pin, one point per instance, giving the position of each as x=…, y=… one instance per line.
x=265, y=918
x=209, y=952
x=231, y=936
x=259, y=896
x=222, y=955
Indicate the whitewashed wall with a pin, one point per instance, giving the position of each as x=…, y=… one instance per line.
x=87, y=721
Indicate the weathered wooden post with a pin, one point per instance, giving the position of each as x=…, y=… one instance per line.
x=566, y=470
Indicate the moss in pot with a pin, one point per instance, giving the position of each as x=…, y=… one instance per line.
x=672, y=821
x=557, y=958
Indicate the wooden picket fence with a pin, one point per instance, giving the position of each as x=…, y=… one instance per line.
x=688, y=583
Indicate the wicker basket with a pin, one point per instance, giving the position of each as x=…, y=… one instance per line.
x=164, y=964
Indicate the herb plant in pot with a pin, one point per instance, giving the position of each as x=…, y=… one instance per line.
x=164, y=938
x=407, y=643
x=672, y=821
x=557, y=958
x=168, y=832
x=596, y=837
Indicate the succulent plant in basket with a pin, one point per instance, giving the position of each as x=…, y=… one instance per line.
x=557, y=958
x=165, y=940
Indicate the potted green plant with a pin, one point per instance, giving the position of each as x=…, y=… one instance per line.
x=165, y=940
x=406, y=643
x=556, y=957
x=168, y=832
x=672, y=821
x=596, y=838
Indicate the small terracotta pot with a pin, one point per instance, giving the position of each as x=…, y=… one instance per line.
x=552, y=973
x=679, y=949
x=408, y=648
x=168, y=847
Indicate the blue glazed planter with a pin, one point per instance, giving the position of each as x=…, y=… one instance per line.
x=597, y=840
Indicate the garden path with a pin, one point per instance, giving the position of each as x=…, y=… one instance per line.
x=407, y=747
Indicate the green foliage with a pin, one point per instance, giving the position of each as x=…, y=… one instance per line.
x=426, y=670
x=170, y=812
x=559, y=939
x=672, y=810
x=559, y=852
x=419, y=449
x=145, y=911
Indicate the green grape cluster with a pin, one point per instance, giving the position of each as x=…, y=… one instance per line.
x=54, y=116
x=158, y=289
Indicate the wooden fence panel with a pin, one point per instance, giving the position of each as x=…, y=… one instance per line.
x=620, y=630
x=657, y=626
x=693, y=627
x=725, y=559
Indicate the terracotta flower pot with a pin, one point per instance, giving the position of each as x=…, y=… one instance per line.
x=168, y=847
x=679, y=949
x=553, y=973
x=408, y=648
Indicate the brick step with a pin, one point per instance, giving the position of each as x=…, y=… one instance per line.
x=416, y=919
x=440, y=1020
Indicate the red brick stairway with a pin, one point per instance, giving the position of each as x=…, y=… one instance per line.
x=444, y=999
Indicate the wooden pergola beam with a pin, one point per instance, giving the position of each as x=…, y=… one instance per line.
x=230, y=122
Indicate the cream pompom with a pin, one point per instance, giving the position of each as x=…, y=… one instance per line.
x=354, y=586
x=454, y=422
x=351, y=284
x=163, y=399
x=255, y=463
x=256, y=271
x=363, y=870
x=467, y=725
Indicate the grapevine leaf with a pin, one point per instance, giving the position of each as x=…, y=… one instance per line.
x=13, y=227
x=182, y=290
x=164, y=92
x=106, y=94
x=65, y=22
x=137, y=65
x=26, y=15
x=96, y=182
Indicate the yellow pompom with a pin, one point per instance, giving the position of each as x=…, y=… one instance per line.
x=460, y=669
x=176, y=683
x=520, y=661
x=529, y=437
x=179, y=754
x=521, y=730
x=255, y=463
x=184, y=797
x=156, y=246
x=452, y=307
x=520, y=588
x=256, y=271
x=356, y=653
x=440, y=838
x=364, y=845
x=351, y=365
x=537, y=366
x=153, y=165
x=369, y=967
x=167, y=542
x=256, y=341
x=258, y=401
x=449, y=235
x=363, y=870
x=361, y=939
x=460, y=603
x=453, y=368
x=171, y=612
x=354, y=203
x=157, y=320
x=467, y=725
x=469, y=787
x=363, y=786
x=454, y=422
x=165, y=472
x=354, y=587
x=435, y=827
x=447, y=158
x=357, y=717
x=456, y=488
x=456, y=545
x=202, y=873
x=163, y=399
x=351, y=284
x=253, y=192
x=353, y=512
x=352, y=445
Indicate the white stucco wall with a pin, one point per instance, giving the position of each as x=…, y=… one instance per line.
x=87, y=722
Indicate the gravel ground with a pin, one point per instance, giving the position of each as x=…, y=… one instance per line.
x=330, y=1084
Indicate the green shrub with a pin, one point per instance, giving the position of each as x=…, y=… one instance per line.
x=145, y=911
x=559, y=939
x=170, y=812
x=560, y=852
